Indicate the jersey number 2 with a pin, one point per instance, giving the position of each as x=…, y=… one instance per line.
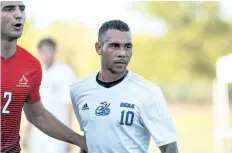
x=129, y=118
x=9, y=96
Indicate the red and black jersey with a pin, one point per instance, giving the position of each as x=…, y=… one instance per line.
x=21, y=76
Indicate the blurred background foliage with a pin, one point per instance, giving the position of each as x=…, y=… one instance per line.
x=182, y=61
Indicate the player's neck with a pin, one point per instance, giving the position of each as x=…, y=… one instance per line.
x=8, y=48
x=107, y=76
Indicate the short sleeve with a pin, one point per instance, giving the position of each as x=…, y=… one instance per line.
x=68, y=79
x=76, y=110
x=34, y=94
x=156, y=118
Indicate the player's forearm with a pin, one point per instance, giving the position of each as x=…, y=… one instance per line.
x=51, y=126
x=82, y=150
x=169, y=148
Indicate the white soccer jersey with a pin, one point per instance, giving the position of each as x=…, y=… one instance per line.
x=121, y=119
x=55, y=96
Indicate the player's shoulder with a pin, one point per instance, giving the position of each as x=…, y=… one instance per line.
x=143, y=84
x=85, y=82
x=26, y=55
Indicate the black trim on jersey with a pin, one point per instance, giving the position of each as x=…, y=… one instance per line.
x=110, y=84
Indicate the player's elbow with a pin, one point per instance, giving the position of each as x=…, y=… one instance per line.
x=28, y=114
x=31, y=119
x=28, y=118
x=37, y=121
x=34, y=118
x=34, y=112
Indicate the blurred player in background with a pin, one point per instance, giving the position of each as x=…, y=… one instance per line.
x=117, y=109
x=56, y=79
x=21, y=76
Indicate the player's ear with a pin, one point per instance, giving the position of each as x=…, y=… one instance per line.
x=98, y=48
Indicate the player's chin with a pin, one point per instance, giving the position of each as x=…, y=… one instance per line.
x=16, y=35
x=119, y=69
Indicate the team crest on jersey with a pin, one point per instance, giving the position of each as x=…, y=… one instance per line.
x=23, y=82
x=103, y=109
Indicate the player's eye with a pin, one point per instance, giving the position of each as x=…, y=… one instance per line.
x=114, y=46
x=128, y=47
x=22, y=8
x=9, y=9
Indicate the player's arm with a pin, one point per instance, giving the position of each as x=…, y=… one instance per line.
x=169, y=148
x=156, y=118
x=47, y=123
x=82, y=150
x=44, y=120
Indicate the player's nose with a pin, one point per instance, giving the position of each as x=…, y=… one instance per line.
x=18, y=13
x=121, y=52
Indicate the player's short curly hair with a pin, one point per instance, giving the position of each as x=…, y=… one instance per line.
x=47, y=41
x=112, y=24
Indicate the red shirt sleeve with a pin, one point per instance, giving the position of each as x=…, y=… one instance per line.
x=34, y=94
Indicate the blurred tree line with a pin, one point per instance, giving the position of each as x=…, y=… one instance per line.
x=196, y=37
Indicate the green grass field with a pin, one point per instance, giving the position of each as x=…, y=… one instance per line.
x=194, y=124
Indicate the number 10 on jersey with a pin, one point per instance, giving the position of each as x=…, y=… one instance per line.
x=127, y=118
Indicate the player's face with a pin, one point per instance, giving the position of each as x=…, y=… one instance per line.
x=116, y=51
x=12, y=19
x=47, y=54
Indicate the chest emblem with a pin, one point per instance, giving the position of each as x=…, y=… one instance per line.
x=23, y=82
x=103, y=109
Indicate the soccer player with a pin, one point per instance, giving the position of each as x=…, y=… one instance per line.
x=54, y=90
x=20, y=82
x=117, y=109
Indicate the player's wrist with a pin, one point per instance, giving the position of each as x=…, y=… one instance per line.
x=80, y=141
